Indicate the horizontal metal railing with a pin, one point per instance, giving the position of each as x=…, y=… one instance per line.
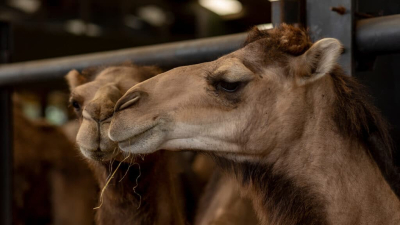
x=376, y=36
x=163, y=55
x=379, y=35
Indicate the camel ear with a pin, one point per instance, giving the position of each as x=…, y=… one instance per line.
x=319, y=60
x=74, y=79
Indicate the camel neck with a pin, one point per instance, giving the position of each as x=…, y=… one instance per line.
x=277, y=198
x=349, y=183
x=134, y=195
x=318, y=181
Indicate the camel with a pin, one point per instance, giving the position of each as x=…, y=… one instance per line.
x=223, y=204
x=280, y=115
x=144, y=189
x=52, y=185
x=221, y=201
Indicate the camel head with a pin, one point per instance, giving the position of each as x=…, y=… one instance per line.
x=243, y=104
x=94, y=94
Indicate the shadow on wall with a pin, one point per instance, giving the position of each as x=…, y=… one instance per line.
x=383, y=83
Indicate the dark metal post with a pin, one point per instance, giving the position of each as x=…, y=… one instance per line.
x=333, y=18
x=6, y=134
x=288, y=11
x=276, y=12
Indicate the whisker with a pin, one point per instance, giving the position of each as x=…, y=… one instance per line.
x=108, y=182
x=110, y=168
x=130, y=164
x=137, y=184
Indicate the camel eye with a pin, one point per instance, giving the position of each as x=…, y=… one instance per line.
x=76, y=105
x=228, y=86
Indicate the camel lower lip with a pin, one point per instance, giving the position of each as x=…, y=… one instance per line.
x=131, y=141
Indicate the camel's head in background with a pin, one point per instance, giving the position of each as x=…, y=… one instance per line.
x=94, y=94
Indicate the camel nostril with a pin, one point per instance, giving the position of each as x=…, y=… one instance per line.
x=127, y=100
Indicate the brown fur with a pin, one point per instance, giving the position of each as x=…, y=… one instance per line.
x=222, y=203
x=52, y=185
x=277, y=193
x=277, y=114
x=284, y=38
x=356, y=117
x=121, y=203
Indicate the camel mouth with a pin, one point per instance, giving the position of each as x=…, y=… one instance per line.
x=144, y=133
x=145, y=141
x=98, y=155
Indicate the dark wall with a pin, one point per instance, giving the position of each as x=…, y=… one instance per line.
x=383, y=80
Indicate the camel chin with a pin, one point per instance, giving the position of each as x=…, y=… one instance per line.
x=98, y=155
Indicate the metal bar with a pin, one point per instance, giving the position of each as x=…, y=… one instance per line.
x=6, y=156
x=6, y=131
x=292, y=12
x=288, y=11
x=164, y=55
x=379, y=35
x=276, y=12
x=329, y=24
x=324, y=21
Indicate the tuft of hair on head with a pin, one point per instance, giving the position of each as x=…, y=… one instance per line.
x=286, y=38
x=149, y=71
x=92, y=72
x=74, y=78
x=145, y=72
